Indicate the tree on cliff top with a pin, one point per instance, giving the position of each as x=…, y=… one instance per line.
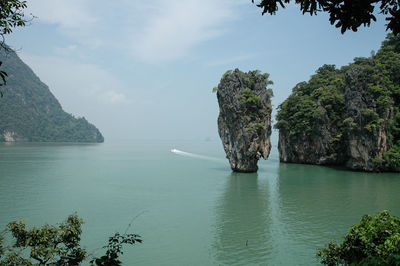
x=345, y=14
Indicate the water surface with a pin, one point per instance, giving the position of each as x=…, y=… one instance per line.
x=189, y=210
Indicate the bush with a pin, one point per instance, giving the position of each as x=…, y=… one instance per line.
x=374, y=241
x=392, y=157
x=57, y=245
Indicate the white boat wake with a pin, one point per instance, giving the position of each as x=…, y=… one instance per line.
x=198, y=156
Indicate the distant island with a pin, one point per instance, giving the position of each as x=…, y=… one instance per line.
x=348, y=116
x=30, y=112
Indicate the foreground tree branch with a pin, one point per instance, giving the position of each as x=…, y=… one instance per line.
x=344, y=14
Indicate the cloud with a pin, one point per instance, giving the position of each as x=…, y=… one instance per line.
x=66, y=51
x=172, y=30
x=156, y=31
x=73, y=18
x=78, y=85
x=231, y=60
x=113, y=97
x=69, y=15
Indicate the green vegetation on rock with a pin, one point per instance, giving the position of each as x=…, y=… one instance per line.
x=252, y=106
x=244, y=121
x=311, y=101
x=30, y=112
x=348, y=108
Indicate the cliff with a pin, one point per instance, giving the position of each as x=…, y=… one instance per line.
x=244, y=121
x=348, y=116
x=30, y=112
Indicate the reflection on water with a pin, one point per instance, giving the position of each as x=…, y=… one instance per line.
x=288, y=211
x=318, y=204
x=198, y=213
x=242, y=221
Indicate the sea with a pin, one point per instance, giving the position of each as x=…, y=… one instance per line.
x=184, y=201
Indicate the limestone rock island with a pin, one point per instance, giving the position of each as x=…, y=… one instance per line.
x=348, y=116
x=244, y=121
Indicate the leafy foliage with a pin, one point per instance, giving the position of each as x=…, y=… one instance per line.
x=11, y=16
x=114, y=249
x=310, y=102
x=30, y=112
x=251, y=105
x=3, y=82
x=374, y=241
x=48, y=245
x=345, y=14
x=393, y=157
x=57, y=245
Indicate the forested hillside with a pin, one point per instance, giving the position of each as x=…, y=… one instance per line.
x=348, y=116
x=30, y=112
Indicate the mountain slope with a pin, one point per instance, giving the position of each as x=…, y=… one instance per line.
x=30, y=112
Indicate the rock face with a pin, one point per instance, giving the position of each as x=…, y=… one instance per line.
x=366, y=141
x=348, y=116
x=12, y=137
x=304, y=145
x=244, y=121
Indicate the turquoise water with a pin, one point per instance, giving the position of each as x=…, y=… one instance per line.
x=189, y=210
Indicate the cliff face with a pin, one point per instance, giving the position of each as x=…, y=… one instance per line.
x=367, y=136
x=348, y=116
x=30, y=112
x=314, y=139
x=244, y=121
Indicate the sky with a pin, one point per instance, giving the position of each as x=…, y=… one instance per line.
x=145, y=69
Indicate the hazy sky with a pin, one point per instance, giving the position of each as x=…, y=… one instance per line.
x=145, y=69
